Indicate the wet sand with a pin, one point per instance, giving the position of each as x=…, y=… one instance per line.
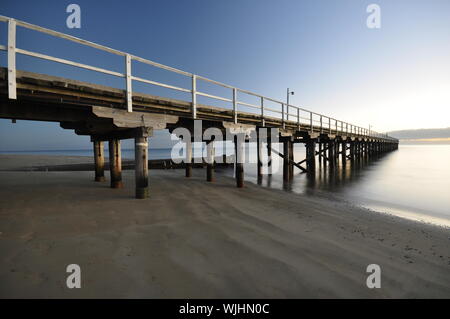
x=194, y=239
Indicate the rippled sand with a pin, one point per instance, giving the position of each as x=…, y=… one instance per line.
x=197, y=239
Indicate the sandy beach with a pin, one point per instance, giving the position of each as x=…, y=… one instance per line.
x=193, y=239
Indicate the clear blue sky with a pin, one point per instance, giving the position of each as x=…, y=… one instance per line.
x=396, y=77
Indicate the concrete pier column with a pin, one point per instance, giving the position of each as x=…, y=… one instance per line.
x=239, y=162
x=141, y=166
x=115, y=163
x=311, y=156
x=210, y=161
x=331, y=154
x=188, y=160
x=99, y=161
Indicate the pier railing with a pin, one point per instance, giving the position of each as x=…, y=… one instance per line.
x=289, y=114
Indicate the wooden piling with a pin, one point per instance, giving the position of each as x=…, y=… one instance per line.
x=331, y=154
x=258, y=153
x=357, y=150
x=210, y=161
x=320, y=154
x=99, y=161
x=344, y=153
x=238, y=151
x=115, y=163
x=269, y=153
x=141, y=166
x=286, y=157
x=336, y=152
x=353, y=150
x=311, y=156
x=291, y=159
x=188, y=160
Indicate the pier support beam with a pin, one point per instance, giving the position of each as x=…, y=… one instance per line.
x=320, y=154
x=115, y=163
x=188, y=160
x=259, y=155
x=352, y=151
x=210, y=161
x=357, y=150
x=291, y=160
x=311, y=156
x=141, y=166
x=336, y=153
x=99, y=160
x=269, y=154
x=331, y=154
x=239, y=161
x=344, y=153
x=287, y=149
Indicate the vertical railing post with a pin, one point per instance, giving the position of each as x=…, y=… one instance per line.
x=12, y=87
x=129, y=86
x=311, y=121
x=321, y=124
x=329, y=124
x=235, y=105
x=298, y=119
x=194, y=96
x=282, y=115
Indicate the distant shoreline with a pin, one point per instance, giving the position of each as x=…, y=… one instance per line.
x=430, y=141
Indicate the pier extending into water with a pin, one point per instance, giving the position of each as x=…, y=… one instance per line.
x=109, y=115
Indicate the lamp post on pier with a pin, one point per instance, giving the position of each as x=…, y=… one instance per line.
x=289, y=92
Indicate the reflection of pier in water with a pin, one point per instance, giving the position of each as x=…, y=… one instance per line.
x=325, y=178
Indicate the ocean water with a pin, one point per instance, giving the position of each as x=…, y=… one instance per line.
x=126, y=153
x=412, y=182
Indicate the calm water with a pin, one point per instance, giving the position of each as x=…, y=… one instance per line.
x=413, y=182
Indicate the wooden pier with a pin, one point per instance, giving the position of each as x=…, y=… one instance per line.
x=108, y=114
